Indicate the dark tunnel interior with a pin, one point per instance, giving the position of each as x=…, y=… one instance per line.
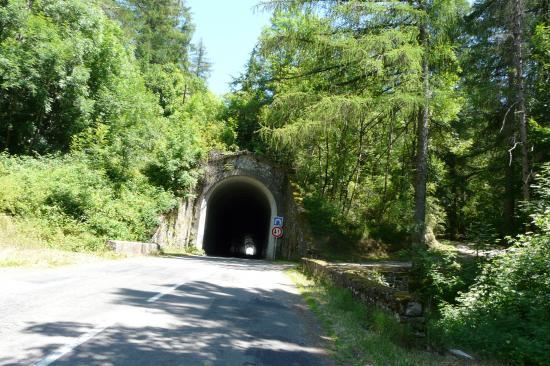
x=236, y=210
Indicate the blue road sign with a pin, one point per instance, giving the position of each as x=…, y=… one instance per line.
x=278, y=221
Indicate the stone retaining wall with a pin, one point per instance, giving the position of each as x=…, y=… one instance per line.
x=133, y=247
x=405, y=307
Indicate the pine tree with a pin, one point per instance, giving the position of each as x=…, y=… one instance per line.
x=498, y=104
x=348, y=73
x=201, y=67
x=161, y=29
x=519, y=86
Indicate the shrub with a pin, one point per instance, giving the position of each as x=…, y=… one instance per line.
x=64, y=197
x=506, y=313
x=439, y=275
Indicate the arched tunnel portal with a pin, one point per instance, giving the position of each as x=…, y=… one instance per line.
x=236, y=210
x=238, y=196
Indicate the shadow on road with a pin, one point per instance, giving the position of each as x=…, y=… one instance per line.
x=236, y=263
x=200, y=323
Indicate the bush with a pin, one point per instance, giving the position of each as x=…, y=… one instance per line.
x=64, y=197
x=133, y=133
x=441, y=275
x=506, y=313
x=361, y=335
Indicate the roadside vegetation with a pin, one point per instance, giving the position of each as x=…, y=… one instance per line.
x=411, y=127
x=23, y=246
x=503, y=311
x=416, y=127
x=359, y=335
x=182, y=251
x=103, y=121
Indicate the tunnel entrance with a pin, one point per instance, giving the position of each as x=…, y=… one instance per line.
x=237, y=213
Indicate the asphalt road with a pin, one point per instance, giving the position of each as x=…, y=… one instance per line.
x=156, y=311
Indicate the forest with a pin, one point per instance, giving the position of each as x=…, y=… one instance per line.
x=409, y=126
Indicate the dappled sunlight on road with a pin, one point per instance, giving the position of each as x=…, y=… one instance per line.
x=230, y=312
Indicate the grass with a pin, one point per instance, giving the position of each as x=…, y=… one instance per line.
x=362, y=336
x=21, y=246
x=46, y=257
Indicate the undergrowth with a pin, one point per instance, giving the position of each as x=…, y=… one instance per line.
x=23, y=246
x=501, y=309
x=361, y=335
x=64, y=202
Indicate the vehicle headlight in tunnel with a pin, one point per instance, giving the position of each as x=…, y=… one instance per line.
x=249, y=250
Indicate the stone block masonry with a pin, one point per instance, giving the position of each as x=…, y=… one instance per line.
x=133, y=248
x=372, y=285
x=187, y=225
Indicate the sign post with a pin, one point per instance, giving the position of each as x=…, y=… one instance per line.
x=277, y=231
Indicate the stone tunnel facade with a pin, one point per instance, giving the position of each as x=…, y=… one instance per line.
x=239, y=195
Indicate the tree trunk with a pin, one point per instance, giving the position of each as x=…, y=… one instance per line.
x=517, y=31
x=184, y=94
x=325, y=181
x=386, y=171
x=509, y=201
x=358, y=166
x=422, y=149
x=453, y=207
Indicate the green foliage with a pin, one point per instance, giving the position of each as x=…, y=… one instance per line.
x=360, y=335
x=64, y=194
x=201, y=67
x=243, y=105
x=337, y=238
x=539, y=207
x=323, y=217
x=506, y=312
x=113, y=137
x=162, y=29
x=334, y=89
x=481, y=185
x=441, y=275
x=179, y=251
x=56, y=60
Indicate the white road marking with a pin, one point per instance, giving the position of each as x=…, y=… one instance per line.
x=69, y=347
x=166, y=292
x=63, y=350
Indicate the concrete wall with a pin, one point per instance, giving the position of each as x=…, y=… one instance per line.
x=184, y=225
x=133, y=247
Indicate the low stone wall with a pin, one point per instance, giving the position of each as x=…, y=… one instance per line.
x=401, y=304
x=133, y=247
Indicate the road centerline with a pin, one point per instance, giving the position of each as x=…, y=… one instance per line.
x=67, y=348
x=171, y=312
x=72, y=345
x=165, y=292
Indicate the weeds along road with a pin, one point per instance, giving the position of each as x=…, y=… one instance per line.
x=156, y=311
